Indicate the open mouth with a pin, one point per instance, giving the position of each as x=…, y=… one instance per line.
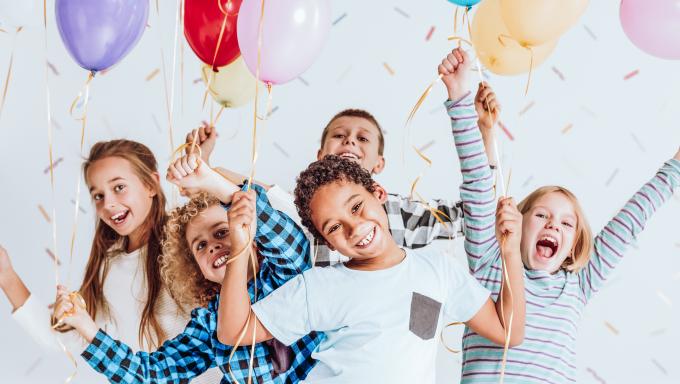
x=547, y=246
x=349, y=155
x=367, y=240
x=120, y=217
x=221, y=259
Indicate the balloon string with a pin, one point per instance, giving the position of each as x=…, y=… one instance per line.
x=441, y=336
x=219, y=39
x=9, y=73
x=181, y=59
x=507, y=327
x=531, y=56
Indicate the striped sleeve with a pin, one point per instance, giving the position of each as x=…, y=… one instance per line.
x=616, y=237
x=477, y=191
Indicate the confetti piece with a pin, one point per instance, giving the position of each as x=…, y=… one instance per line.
x=340, y=18
x=429, y=34
x=525, y=109
x=595, y=375
x=505, y=129
x=276, y=108
x=303, y=81
x=658, y=332
x=197, y=80
x=567, y=128
x=344, y=73
x=44, y=213
x=664, y=298
x=558, y=73
x=426, y=146
x=152, y=74
x=616, y=171
x=590, y=32
x=661, y=368
x=631, y=74
x=406, y=15
x=588, y=111
x=527, y=181
x=611, y=328
x=54, y=165
x=389, y=69
x=283, y=151
x=32, y=366
x=51, y=254
x=53, y=68
x=56, y=124
x=638, y=142
x=79, y=207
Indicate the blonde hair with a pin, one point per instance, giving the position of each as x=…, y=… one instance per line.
x=179, y=270
x=583, y=241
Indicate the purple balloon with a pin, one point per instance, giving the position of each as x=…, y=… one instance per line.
x=99, y=33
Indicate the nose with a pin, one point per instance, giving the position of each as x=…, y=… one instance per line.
x=215, y=247
x=349, y=140
x=552, y=224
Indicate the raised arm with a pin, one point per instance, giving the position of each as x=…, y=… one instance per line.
x=10, y=282
x=615, y=239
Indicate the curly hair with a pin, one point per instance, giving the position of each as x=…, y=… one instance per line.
x=179, y=270
x=328, y=170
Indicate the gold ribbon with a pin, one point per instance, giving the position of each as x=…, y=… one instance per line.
x=76, y=300
x=506, y=326
x=9, y=73
x=441, y=336
x=531, y=59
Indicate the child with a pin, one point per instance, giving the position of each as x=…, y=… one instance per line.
x=562, y=268
x=356, y=135
x=124, y=185
x=194, y=262
x=380, y=310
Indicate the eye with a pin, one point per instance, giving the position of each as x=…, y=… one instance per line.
x=201, y=245
x=542, y=215
x=356, y=207
x=119, y=188
x=338, y=136
x=97, y=196
x=221, y=233
x=363, y=139
x=568, y=224
x=333, y=228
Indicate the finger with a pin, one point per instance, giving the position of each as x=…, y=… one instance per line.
x=451, y=59
x=179, y=170
x=202, y=135
x=448, y=66
x=458, y=53
x=464, y=57
x=192, y=161
x=185, y=165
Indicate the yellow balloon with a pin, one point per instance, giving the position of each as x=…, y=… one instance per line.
x=232, y=86
x=496, y=49
x=535, y=22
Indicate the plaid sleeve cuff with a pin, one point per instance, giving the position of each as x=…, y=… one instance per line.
x=99, y=353
x=259, y=191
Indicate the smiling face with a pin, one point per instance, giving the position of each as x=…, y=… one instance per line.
x=121, y=199
x=352, y=220
x=548, y=232
x=356, y=139
x=208, y=238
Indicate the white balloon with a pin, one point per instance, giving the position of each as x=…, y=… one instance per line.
x=21, y=13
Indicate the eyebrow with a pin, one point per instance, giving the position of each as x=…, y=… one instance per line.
x=110, y=181
x=191, y=245
x=323, y=227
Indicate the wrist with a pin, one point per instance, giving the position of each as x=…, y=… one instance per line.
x=86, y=328
x=6, y=277
x=457, y=93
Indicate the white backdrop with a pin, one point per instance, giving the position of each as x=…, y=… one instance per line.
x=621, y=131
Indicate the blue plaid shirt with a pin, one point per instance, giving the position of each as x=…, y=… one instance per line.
x=285, y=252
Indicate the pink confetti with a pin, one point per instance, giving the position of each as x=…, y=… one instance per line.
x=525, y=109
x=54, y=165
x=44, y=213
x=429, y=34
x=595, y=376
x=51, y=254
x=558, y=73
x=505, y=129
x=631, y=74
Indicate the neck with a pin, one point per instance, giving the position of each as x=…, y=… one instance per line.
x=391, y=257
x=135, y=240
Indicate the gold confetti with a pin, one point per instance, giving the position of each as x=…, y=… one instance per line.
x=664, y=298
x=525, y=109
x=44, y=213
x=611, y=328
x=567, y=128
x=388, y=68
x=153, y=74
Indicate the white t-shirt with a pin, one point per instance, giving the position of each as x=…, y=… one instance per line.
x=380, y=326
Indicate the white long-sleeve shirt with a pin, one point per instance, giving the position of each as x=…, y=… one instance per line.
x=125, y=293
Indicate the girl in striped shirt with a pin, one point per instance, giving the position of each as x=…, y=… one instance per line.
x=564, y=264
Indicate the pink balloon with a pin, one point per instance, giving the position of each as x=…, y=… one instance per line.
x=293, y=34
x=653, y=26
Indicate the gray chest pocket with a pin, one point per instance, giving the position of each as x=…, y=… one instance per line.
x=424, y=316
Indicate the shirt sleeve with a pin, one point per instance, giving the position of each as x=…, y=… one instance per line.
x=477, y=191
x=420, y=225
x=617, y=236
x=465, y=295
x=285, y=312
x=178, y=360
x=34, y=318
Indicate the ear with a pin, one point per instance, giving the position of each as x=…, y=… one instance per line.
x=380, y=193
x=157, y=178
x=379, y=166
x=318, y=154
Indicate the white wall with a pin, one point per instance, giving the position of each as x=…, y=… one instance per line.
x=629, y=127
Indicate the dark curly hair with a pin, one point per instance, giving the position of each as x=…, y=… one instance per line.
x=328, y=170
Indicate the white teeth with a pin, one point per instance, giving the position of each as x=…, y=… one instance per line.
x=367, y=239
x=349, y=155
x=118, y=217
x=550, y=239
x=220, y=261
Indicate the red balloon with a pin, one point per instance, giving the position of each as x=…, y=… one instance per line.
x=203, y=21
